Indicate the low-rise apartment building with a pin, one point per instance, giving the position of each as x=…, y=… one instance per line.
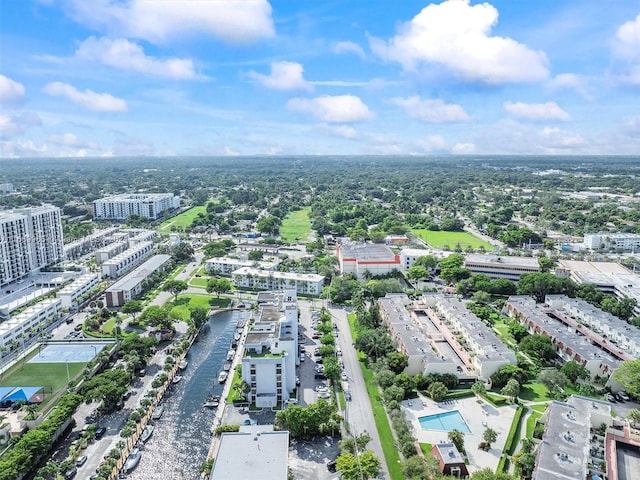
x=82, y=285
x=303, y=283
x=147, y=205
x=495, y=266
x=89, y=243
x=110, y=251
x=571, y=340
x=125, y=261
x=271, y=352
x=28, y=323
x=130, y=286
x=366, y=260
x=628, y=242
x=225, y=266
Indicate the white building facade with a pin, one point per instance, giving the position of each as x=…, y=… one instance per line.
x=148, y=205
x=127, y=260
x=82, y=285
x=34, y=319
x=303, y=283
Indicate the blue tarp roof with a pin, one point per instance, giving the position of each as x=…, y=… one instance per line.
x=4, y=391
x=20, y=393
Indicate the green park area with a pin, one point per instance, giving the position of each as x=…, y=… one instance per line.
x=51, y=376
x=296, y=226
x=182, y=221
x=451, y=240
x=205, y=300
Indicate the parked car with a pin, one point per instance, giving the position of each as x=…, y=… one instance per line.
x=100, y=431
x=69, y=474
x=623, y=396
x=81, y=461
x=347, y=395
x=331, y=466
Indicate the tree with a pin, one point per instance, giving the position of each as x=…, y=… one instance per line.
x=437, y=391
x=427, y=261
x=182, y=252
x=456, y=437
x=417, y=273
x=481, y=297
x=628, y=375
x=634, y=415
x=546, y=264
x=397, y=361
x=355, y=444
x=175, y=287
x=490, y=436
x=478, y=388
x=538, y=285
x=219, y=285
x=574, y=371
x=517, y=331
x=132, y=307
x=511, y=389
x=553, y=379
x=269, y=225
x=255, y=255
x=488, y=474
x=538, y=347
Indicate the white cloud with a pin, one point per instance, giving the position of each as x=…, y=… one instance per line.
x=349, y=47
x=463, y=148
x=21, y=148
x=555, y=140
x=15, y=125
x=536, y=111
x=331, y=109
x=456, y=36
x=125, y=55
x=626, y=47
x=11, y=92
x=159, y=22
x=284, y=76
x=99, y=102
x=431, y=111
x=71, y=140
x=344, y=131
x=432, y=143
x=579, y=83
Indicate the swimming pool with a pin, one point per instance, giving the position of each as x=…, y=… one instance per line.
x=444, y=422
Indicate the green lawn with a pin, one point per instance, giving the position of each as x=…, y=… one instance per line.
x=183, y=220
x=205, y=300
x=535, y=392
x=531, y=423
x=439, y=239
x=198, y=282
x=52, y=376
x=426, y=449
x=182, y=312
x=296, y=226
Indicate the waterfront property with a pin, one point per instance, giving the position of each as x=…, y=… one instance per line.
x=225, y=266
x=255, y=278
x=130, y=286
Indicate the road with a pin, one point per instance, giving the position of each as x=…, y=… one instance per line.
x=358, y=413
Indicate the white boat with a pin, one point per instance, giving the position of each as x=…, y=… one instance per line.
x=157, y=413
x=146, y=433
x=212, y=401
x=231, y=355
x=222, y=377
x=132, y=460
x=226, y=367
x=183, y=364
x=176, y=379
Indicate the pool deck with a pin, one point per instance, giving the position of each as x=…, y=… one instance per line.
x=478, y=417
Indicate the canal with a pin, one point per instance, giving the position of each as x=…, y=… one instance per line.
x=181, y=438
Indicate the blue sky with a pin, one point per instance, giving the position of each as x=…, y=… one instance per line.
x=285, y=77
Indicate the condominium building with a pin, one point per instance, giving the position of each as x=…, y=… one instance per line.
x=366, y=260
x=89, y=243
x=125, y=261
x=30, y=238
x=110, y=251
x=72, y=293
x=148, y=205
x=628, y=242
x=28, y=323
x=225, y=266
x=139, y=235
x=303, y=283
x=130, y=286
x=572, y=340
x=495, y=266
x=408, y=256
x=271, y=352
x=572, y=447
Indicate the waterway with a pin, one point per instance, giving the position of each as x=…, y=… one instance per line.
x=181, y=438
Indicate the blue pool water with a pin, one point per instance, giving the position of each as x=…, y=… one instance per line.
x=444, y=422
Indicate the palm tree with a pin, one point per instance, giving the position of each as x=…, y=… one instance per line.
x=457, y=438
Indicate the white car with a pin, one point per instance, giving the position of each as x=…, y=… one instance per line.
x=344, y=376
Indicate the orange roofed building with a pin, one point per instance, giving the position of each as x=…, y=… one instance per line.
x=366, y=259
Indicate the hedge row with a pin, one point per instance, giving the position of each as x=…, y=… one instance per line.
x=510, y=445
x=503, y=464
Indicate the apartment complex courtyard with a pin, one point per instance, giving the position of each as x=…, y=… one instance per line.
x=476, y=414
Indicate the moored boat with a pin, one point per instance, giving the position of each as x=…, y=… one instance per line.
x=157, y=413
x=132, y=460
x=176, y=379
x=183, y=364
x=231, y=355
x=222, y=377
x=212, y=401
x=146, y=433
x=227, y=366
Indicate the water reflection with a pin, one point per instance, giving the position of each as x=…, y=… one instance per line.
x=182, y=438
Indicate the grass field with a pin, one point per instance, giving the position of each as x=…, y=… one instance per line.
x=451, y=239
x=52, y=376
x=296, y=226
x=202, y=300
x=534, y=392
x=183, y=220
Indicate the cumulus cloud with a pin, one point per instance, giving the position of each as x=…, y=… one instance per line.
x=579, y=83
x=125, y=55
x=284, y=76
x=432, y=143
x=626, y=47
x=555, y=140
x=349, y=47
x=71, y=140
x=15, y=125
x=159, y=22
x=344, y=131
x=99, y=102
x=331, y=109
x=11, y=92
x=457, y=37
x=463, y=148
x=536, y=111
x=431, y=111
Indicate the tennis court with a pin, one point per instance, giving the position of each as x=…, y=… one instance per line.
x=71, y=353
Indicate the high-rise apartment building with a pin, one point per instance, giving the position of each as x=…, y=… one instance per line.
x=148, y=205
x=30, y=238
